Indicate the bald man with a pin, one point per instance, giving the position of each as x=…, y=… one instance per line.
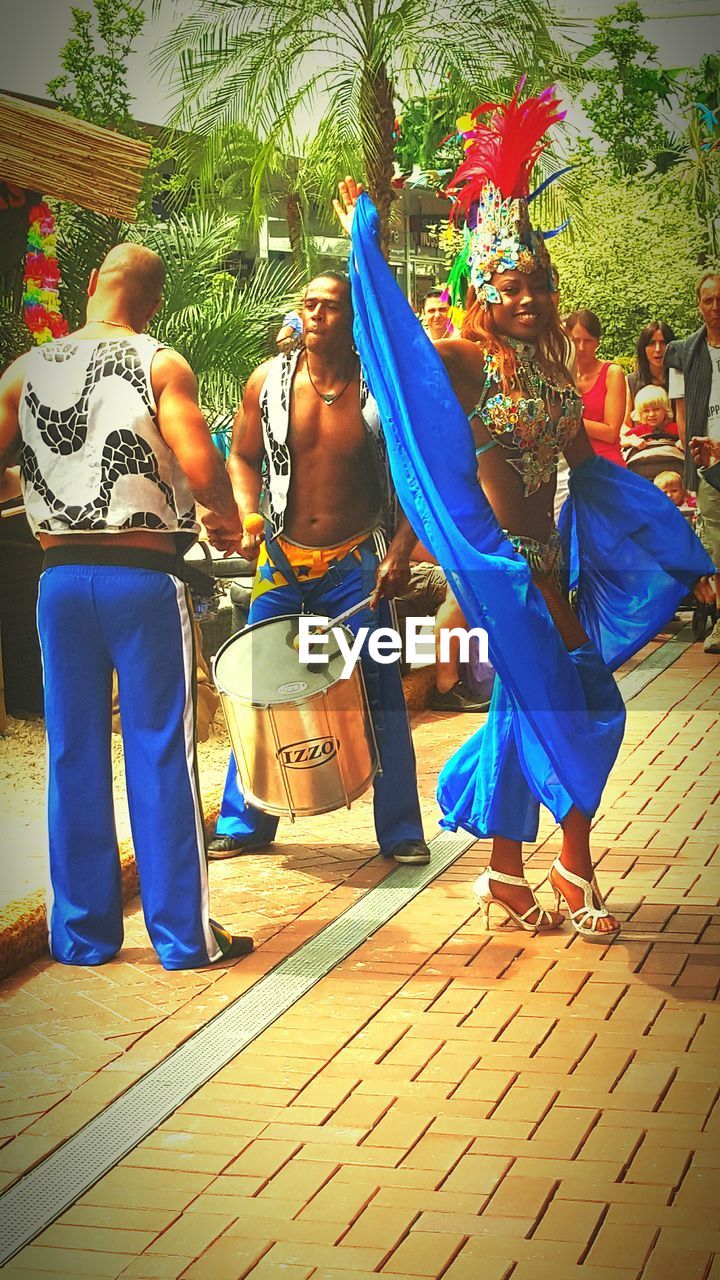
x=114, y=450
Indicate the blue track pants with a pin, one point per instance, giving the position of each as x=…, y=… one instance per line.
x=94, y=619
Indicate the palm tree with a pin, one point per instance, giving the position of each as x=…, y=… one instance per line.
x=233, y=171
x=264, y=62
x=223, y=327
x=301, y=174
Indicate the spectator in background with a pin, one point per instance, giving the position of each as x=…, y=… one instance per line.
x=650, y=357
x=673, y=486
x=289, y=335
x=435, y=316
x=563, y=470
x=601, y=385
x=651, y=445
x=651, y=419
x=694, y=382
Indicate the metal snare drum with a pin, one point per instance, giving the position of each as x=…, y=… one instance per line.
x=302, y=736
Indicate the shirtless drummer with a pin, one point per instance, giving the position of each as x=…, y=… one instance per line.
x=308, y=422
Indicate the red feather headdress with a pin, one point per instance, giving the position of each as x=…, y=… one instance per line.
x=504, y=149
x=491, y=187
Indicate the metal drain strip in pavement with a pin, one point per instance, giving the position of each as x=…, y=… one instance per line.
x=40, y=1197
x=43, y=1194
x=655, y=663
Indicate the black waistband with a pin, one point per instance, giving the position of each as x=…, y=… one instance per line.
x=123, y=557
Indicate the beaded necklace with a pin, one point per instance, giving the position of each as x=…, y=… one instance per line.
x=525, y=425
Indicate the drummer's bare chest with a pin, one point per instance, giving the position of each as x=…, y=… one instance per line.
x=323, y=432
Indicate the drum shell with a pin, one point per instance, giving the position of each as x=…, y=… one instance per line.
x=305, y=755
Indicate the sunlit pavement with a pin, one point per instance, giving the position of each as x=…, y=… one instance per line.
x=445, y=1102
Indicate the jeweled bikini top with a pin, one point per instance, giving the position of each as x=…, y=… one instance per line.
x=527, y=427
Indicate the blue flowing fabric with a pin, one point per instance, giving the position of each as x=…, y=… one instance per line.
x=631, y=556
x=566, y=741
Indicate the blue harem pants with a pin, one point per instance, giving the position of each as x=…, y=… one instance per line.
x=93, y=619
x=396, y=805
x=484, y=788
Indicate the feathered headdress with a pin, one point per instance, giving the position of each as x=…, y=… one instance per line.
x=491, y=189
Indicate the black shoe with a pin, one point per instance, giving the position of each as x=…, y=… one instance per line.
x=414, y=853
x=459, y=698
x=230, y=847
x=233, y=946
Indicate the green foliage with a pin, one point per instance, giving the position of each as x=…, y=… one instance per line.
x=215, y=179
x=629, y=86
x=705, y=82
x=697, y=151
x=94, y=86
x=426, y=134
x=15, y=336
x=636, y=260
x=223, y=328
x=262, y=62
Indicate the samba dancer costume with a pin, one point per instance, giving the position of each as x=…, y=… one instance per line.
x=327, y=580
x=532, y=437
x=556, y=719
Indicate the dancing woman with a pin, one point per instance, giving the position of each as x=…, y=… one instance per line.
x=556, y=719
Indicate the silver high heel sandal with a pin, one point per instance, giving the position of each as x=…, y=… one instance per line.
x=584, y=919
x=486, y=898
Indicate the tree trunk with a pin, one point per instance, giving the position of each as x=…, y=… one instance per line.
x=293, y=217
x=377, y=120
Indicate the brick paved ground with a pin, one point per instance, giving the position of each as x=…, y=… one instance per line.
x=446, y=1102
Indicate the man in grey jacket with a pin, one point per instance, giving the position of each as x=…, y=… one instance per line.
x=694, y=384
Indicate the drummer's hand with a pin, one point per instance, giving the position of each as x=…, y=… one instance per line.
x=250, y=545
x=704, y=591
x=349, y=191
x=393, y=578
x=224, y=535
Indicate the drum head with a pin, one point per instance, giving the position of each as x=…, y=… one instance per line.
x=261, y=665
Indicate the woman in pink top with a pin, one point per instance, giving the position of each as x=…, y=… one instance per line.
x=601, y=385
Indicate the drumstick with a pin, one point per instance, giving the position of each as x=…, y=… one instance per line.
x=348, y=613
x=334, y=622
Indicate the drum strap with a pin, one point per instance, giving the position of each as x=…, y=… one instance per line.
x=306, y=593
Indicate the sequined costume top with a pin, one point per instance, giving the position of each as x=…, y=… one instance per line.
x=532, y=434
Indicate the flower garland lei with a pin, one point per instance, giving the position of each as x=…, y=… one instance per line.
x=41, y=300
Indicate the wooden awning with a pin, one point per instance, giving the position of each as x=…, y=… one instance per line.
x=69, y=159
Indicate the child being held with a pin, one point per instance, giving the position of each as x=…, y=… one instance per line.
x=674, y=487
x=652, y=419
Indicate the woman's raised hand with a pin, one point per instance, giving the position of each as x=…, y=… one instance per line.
x=349, y=190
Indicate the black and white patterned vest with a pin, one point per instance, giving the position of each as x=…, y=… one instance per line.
x=275, y=415
x=92, y=458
